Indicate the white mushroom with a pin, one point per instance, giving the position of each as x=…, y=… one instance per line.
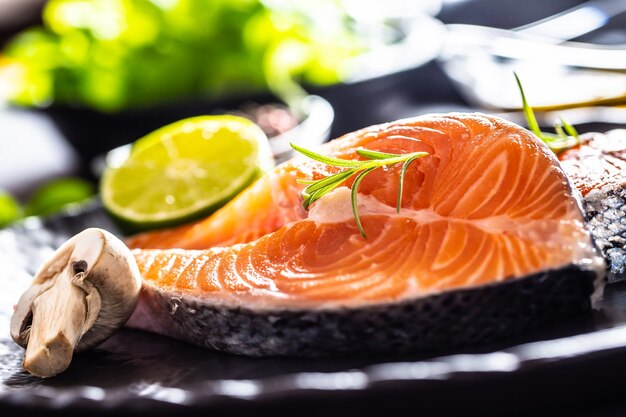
x=79, y=297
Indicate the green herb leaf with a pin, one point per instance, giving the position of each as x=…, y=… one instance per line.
x=354, y=192
x=405, y=166
x=325, y=182
x=558, y=128
x=375, y=154
x=528, y=111
x=316, y=194
x=566, y=135
x=570, y=129
x=310, y=198
x=300, y=181
x=328, y=160
x=318, y=188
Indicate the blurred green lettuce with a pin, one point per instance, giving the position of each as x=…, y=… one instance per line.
x=49, y=198
x=56, y=195
x=10, y=209
x=117, y=54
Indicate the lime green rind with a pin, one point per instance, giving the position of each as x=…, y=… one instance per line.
x=130, y=225
x=182, y=215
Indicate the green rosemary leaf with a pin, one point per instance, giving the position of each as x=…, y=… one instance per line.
x=312, y=193
x=528, y=111
x=558, y=128
x=306, y=197
x=354, y=192
x=338, y=177
x=549, y=137
x=558, y=143
x=566, y=135
x=570, y=129
x=310, y=198
x=560, y=147
x=318, y=188
x=405, y=165
x=328, y=160
x=376, y=155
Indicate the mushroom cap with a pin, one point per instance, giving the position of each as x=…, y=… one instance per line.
x=118, y=280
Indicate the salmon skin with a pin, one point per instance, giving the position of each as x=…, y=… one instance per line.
x=597, y=168
x=490, y=241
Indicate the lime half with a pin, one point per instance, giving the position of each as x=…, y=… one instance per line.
x=185, y=170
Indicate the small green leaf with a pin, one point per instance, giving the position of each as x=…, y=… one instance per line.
x=328, y=160
x=550, y=138
x=310, y=198
x=317, y=194
x=354, y=192
x=338, y=177
x=405, y=166
x=558, y=128
x=528, y=111
x=566, y=135
x=376, y=155
x=570, y=129
x=300, y=181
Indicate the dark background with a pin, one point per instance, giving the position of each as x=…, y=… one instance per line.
x=403, y=94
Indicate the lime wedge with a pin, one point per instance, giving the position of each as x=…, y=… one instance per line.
x=185, y=170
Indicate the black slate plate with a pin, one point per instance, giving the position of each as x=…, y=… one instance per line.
x=561, y=367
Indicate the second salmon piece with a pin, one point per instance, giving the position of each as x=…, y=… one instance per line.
x=597, y=167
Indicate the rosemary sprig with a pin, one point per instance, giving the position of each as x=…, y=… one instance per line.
x=316, y=189
x=566, y=135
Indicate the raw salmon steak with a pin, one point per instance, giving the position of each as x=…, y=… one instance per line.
x=597, y=167
x=489, y=242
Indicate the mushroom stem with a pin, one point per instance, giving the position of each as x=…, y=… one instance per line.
x=59, y=317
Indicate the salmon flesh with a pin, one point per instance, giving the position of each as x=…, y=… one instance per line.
x=490, y=241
